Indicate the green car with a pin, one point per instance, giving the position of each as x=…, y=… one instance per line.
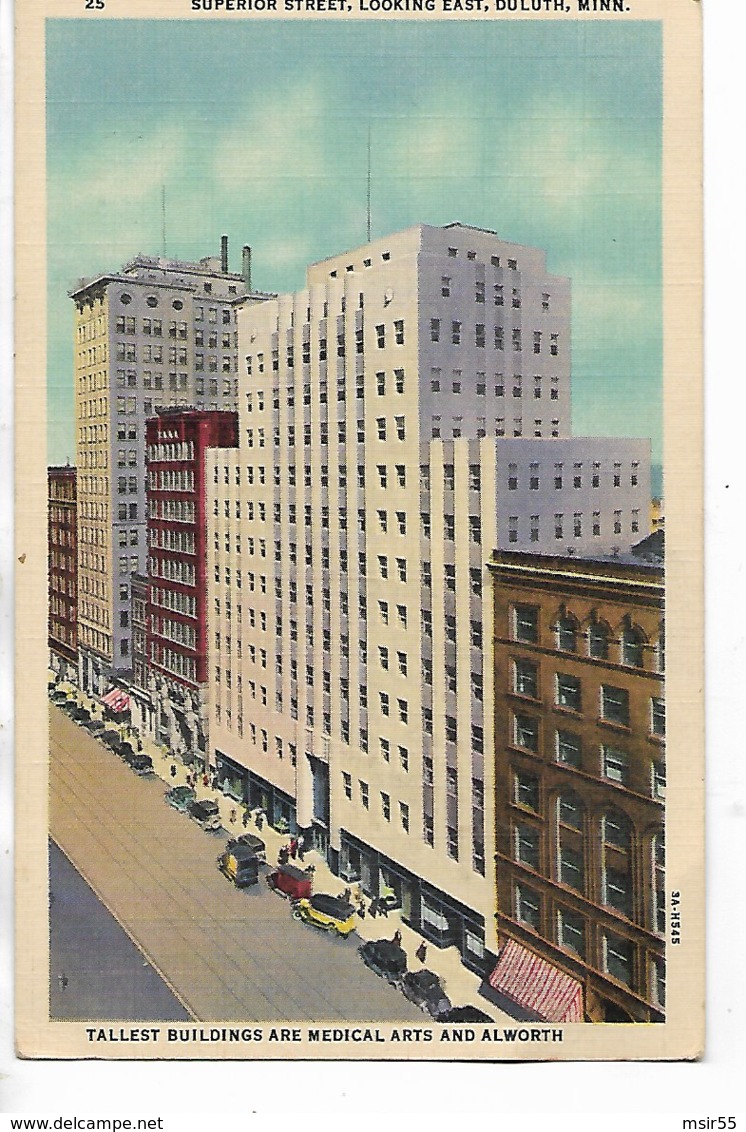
x=180, y=797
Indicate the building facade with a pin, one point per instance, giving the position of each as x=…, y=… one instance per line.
x=62, y=535
x=351, y=694
x=580, y=774
x=158, y=333
x=174, y=668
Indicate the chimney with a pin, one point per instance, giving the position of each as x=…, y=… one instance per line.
x=224, y=254
x=246, y=266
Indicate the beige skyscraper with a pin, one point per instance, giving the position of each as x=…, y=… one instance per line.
x=381, y=417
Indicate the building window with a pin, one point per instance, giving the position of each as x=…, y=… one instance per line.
x=615, y=705
x=526, y=623
x=526, y=791
x=598, y=640
x=568, y=692
x=527, y=906
x=658, y=717
x=571, y=931
x=658, y=776
x=568, y=748
x=526, y=732
x=566, y=631
x=385, y=806
x=527, y=845
x=364, y=795
x=615, y=765
x=632, y=647
x=525, y=679
x=617, y=955
x=570, y=865
x=404, y=816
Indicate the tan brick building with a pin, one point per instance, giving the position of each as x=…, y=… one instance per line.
x=580, y=776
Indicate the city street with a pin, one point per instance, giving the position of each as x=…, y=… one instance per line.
x=227, y=954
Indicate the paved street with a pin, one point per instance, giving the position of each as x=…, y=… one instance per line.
x=228, y=954
x=95, y=970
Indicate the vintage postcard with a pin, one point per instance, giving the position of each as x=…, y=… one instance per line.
x=359, y=530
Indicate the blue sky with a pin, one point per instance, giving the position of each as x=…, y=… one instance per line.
x=547, y=132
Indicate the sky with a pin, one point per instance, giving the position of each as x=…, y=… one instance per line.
x=548, y=133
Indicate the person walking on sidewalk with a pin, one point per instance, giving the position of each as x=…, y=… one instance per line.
x=245, y=818
x=173, y=770
x=421, y=952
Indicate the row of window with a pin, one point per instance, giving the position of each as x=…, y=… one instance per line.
x=567, y=691
x=457, y=334
x=385, y=799
x=598, y=639
x=458, y=386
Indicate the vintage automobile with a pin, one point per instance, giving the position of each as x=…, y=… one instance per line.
x=140, y=763
x=291, y=882
x=252, y=842
x=180, y=797
x=112, y=741
x=240, y=865
x=425, y=989
x=464, y=1014
x=206, y=813
x=331, y=913
x=95, y=726
x=385, y=958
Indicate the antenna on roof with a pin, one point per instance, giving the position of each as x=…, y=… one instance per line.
x=163, y=219
x=368, y=189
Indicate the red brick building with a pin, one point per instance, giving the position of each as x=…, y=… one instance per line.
x=62, y=538
x=176, y=612
x=580, y=783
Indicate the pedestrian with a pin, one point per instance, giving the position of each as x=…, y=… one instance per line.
x=205, y=780
x=373, y=908
x=301, y=849
x=421, y=952
x=346, y=895
x=139, y=744
x=173, y=770
x=361, y=910
x=293, y=848
x=383, y=908
x=245, y=819
x=189, y=780
x=397, y=939
x=233, y=816
x=282, y=857
x=259, y=820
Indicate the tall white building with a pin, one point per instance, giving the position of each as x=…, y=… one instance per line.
x=159, y=332
x=382, y=417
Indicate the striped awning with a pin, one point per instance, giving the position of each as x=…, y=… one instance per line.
x=116, y=700
x=536, y=985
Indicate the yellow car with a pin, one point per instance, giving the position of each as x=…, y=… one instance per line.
x=331, y=913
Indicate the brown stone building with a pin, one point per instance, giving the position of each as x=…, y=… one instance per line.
x=580, y=786
x=62, y=538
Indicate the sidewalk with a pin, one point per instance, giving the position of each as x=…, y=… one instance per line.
x=461, y=985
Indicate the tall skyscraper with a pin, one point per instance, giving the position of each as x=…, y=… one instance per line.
x=389, y=416
x=159, y=332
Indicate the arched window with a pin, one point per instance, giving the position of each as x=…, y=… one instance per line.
x=570, y=863
x=566, y=629
x=616, y=860
x=632, y=647
x=598, y=640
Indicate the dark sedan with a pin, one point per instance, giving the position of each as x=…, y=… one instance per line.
x=425, y=990
x=385, y=957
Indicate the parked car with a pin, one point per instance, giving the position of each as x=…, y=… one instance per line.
x=386, y=958
x=126, y=751
x=289, y=881
x=465, y=1014
x=180, y=797
x=206, y=813
x=425, y=989
x=331, y=913
x=252, y=842
x=58, y=697
x=240, y=865
x=112, y=741
x=95, y=726
x=140, y=763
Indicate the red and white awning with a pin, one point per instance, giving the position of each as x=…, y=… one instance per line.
x=116, y=700
x=536, y=985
